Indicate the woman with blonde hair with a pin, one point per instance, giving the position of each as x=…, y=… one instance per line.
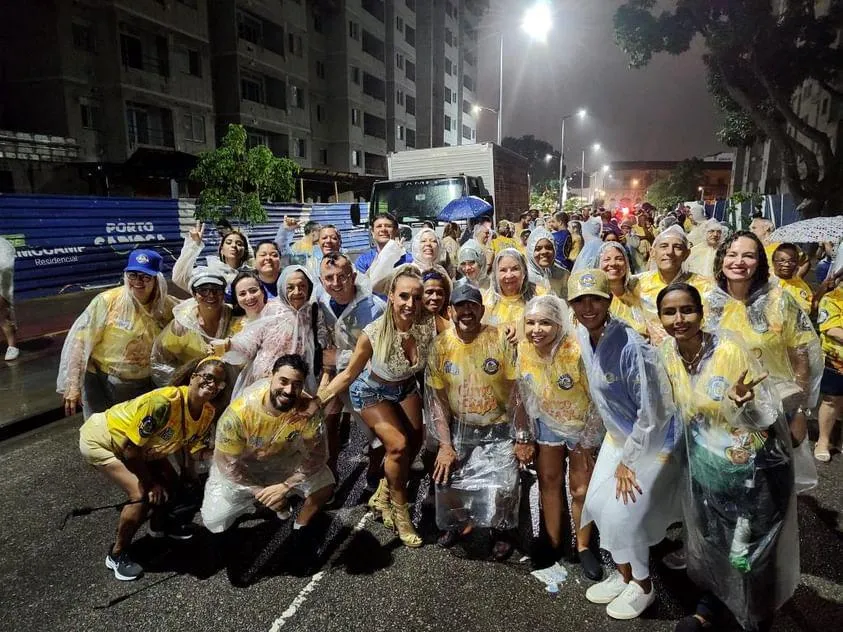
x=381, y=381
x=511, y=290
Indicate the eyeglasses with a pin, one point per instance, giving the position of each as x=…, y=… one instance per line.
x=210, y=380
x=138, y=276
x=207, y=290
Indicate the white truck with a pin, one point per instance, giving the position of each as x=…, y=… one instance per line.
x=422, y=181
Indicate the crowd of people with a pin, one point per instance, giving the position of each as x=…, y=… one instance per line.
x=649, y=369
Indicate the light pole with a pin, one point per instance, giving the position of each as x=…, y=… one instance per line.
x=702, y=194
x=596, y=147
x=476, y=109
x=563, y=183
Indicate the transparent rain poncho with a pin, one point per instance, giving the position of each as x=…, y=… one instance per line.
x=701, y=259
x=591, y=243
x=780, y=334
x=553, y=279
x=508, y=311
x=184, y=339
x=424, y=256
x=379, y=274
x=468, y=391
x=837, y=264
x=254, y=449
x=696, y=234
x=473, y=251
x=632, y=395
x=183, y=269
x=113, y=336
x=739, y=505
x=7, y=268
x=554, y=391
x=280, y=330
x=344, y=331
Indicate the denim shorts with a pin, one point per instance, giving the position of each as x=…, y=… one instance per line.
x=365, y=391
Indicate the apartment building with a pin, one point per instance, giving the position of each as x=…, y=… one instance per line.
x=116, y=76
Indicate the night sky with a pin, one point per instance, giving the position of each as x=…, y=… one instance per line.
x=661, y=112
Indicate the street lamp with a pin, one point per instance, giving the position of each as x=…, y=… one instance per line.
x=702, y=194
x=548, y=157
x=537, y=22
x=595, y=147
x=563, y=184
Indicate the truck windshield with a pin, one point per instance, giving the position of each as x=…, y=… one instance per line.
x=415, y=200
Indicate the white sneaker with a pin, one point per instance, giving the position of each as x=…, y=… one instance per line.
x=676, y=560
x=607, y=590
x=631, y=603
x=12, y=353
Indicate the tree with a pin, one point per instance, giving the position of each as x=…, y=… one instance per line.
x=236, y=181
x=680, y=185
x=757, y=59
x=544, y=171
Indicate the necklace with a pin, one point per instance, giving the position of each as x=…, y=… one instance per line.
x=690, y=364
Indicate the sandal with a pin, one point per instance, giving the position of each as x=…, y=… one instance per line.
x=400, y=514
x=822, y=455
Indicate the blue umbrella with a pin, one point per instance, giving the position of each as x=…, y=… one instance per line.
x=466, y=207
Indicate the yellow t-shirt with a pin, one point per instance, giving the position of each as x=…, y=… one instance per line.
x=503, y=311
x=182, y=345
x=122, y=348
x=499, y=243
x=558, y=387
x=800, y=291
x=830, y=316
x=651, y=283
x=477, y=378
x=627, y=308
x=160, y=422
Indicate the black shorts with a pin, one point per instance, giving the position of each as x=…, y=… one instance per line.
x=832, y=382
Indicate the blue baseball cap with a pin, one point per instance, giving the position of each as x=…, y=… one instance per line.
x=144, y=261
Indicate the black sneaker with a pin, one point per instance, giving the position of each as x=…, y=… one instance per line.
x=591, y=566
x=124, y=568
x=173, y=531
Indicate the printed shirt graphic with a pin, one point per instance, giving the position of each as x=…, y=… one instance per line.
x=800, y=291
x=830, y=316
x=477, y=377
x=154, y=421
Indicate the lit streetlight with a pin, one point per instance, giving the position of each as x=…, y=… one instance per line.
x=702, y=194
x=548, y=157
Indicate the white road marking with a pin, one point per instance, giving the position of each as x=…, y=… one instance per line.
x=297, y=603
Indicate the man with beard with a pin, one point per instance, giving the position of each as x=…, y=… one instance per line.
x=266, y=450
x=470, y=376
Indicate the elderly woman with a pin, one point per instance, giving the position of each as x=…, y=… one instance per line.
x=130, y=444
x=555, y=423
x=292, y=324
x=511, y=290
x=232, y=256
x=471, y=262
x=106, y=355
x=739, y=503
x=701, y=259
x=427, y=251
x=544, y=271
x=747, y=303
x=196, y=322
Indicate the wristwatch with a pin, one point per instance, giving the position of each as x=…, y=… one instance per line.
x=522, y=437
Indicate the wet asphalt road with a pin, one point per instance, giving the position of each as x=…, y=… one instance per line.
x=55, y=579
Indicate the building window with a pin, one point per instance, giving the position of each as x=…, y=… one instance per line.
x=298, y=96
x=323, y=156
x=320, y=69
x=468, y=82
x=373, y=46
x=320, y=113
x=451, y=10
x=399, y=132
x=411, y=137
x=249, y=28
x=449, y=67
x=399, y=97
x=251, y=89
x=466, y=132
x=83, y=37
x=448, y=95
x=411, y=5
x=399, y=61
x=410, y=70
x=294, y=43
x=189, y=62
x=255, y=139
x=470, y=58
x=353, y=30
x=317, y=23
x=193, y=126
x=301, y=147
x=824, y=106
x=148, y=125
x=375, y=8
x=90, y=114
x=447, y=123
x=193, y=4
x=399, y=23
x=355, y=158
x=131, y=51
x=355, y=75
x=411, y=104
x=466, y=107
x=449, y=37
x=410, y=36
x=355, y=117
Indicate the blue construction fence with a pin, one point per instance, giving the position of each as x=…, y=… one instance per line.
x=75, y=243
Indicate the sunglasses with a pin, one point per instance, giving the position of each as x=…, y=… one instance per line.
x=207, y=290
x=210, y=380
x=138, y=276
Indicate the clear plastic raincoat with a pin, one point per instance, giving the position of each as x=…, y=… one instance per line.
x=591, y=243
x=632, y=394
x=280, y=330
x=426, y=258
x=554, y=391
x=190, y=251
x=255, y=449
x=106, y=354
x=472, y=251
x=553, y=279
x=701, y=259
x=7, y=271
x=468, y=389
x=380, y=272
x=508, y=311
x=739, y=503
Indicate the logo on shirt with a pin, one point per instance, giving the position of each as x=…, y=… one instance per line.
x=822, y=316
x=803, y=294
x=804, y=322
x=565, y=382
x=610, y=378
x=167, y=434
x=491, y=366
x=451, y=368
x=716, y=388
x=758, y=323
x=147, y=427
